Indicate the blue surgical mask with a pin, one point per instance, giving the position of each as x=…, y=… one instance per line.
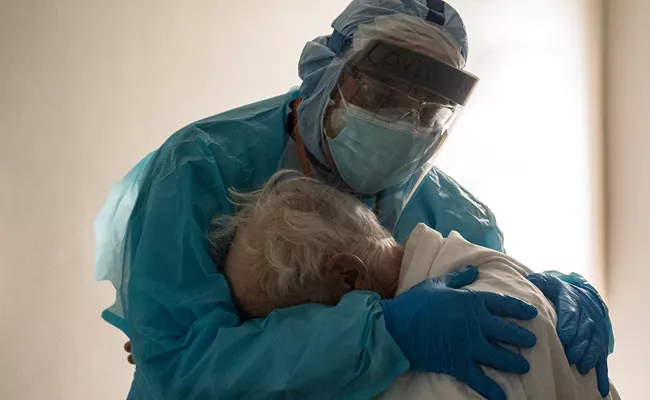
x=372, y=155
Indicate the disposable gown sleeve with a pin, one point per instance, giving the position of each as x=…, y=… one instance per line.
x=444, y=205
x=187, y=339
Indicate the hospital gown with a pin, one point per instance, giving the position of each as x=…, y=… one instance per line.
x=429, y=255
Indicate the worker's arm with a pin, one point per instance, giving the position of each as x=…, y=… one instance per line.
x=187, y=339
x=304, y=352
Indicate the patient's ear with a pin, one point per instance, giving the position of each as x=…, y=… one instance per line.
x=348, y=272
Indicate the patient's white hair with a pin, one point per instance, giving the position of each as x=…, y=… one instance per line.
x=287, y=231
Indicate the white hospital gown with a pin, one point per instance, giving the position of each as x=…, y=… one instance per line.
x=429, y=255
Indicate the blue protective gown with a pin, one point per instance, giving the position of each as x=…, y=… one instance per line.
x=187, y=338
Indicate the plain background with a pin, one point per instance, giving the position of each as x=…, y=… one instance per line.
x=87, y=88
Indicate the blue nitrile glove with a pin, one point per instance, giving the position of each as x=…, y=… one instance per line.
x=442, y=328
x=582, y=322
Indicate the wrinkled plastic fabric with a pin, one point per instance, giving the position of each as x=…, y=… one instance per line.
x=175, y=305
x=110, y=231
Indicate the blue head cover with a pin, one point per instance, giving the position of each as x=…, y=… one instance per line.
x=321, y=62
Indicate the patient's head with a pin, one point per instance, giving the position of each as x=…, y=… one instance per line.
x=299, y=241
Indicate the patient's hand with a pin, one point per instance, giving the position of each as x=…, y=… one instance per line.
x=127, y=348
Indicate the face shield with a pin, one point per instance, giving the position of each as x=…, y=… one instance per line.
x=399, y=92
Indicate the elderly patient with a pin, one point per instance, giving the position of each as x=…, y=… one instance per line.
x=298, y=241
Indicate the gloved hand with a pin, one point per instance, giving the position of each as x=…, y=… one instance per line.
x=582, y=323
x=442, y=328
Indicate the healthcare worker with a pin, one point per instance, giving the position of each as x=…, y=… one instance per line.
x=379, y=96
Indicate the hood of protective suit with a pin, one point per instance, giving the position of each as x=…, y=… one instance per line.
x=322, y=60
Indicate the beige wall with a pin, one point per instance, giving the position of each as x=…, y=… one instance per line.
x=628, y=179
